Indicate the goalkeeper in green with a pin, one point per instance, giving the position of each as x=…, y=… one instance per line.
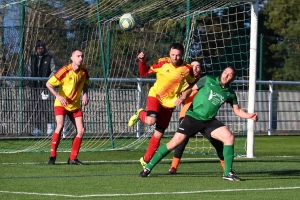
x=200, y=117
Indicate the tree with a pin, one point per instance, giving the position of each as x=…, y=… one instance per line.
x=3, y=50
x=283, y=18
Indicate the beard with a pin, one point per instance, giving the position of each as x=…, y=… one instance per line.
x=177, y=63
x=223, y=85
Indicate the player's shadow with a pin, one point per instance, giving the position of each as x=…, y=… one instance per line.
x=259, y=174
x=275, y=174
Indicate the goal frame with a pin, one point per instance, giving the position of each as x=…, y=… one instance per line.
x=252, y=77
x=252, y=73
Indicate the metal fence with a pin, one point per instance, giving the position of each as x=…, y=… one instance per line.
x=23, y=109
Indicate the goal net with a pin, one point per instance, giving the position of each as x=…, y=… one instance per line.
x=217, y=33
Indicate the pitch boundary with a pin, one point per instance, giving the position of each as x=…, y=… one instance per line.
x=149, y=193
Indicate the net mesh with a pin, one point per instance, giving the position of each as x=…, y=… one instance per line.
x=213, y=32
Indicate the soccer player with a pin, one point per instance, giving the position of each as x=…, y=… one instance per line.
x=200, y=117
x=186, y=104
x=171, y=74
x=72, y=80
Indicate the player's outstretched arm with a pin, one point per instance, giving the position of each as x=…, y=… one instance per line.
x=185, y=94
x=241, y=113
x=142, y=64
x=142, y=57
x=144, y=69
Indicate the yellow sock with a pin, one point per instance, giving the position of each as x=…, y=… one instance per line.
x=175, y=162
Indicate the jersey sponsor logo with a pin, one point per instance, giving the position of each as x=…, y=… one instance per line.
x=216, y=98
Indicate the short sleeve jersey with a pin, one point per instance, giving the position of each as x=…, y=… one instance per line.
x=210, y=98
x=170, y=81
x=70, y=85
x=188, y=101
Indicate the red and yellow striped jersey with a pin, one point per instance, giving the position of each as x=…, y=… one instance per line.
x=170, y=80
x=70, y=85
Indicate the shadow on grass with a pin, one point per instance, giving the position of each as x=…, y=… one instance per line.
x=258, y=174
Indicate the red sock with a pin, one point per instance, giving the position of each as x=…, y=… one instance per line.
x=54, y=144
x=142, y=115
x=75, y=148
x=153, y=145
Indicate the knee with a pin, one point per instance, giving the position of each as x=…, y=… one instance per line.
x=150, y=121
x=229, y=140
x=80, y=132
x=59, y=127
x=157, y=134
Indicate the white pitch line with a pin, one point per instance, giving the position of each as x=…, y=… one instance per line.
x=38, y=194
x=151, y=193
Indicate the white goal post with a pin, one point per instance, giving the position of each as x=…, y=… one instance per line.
x=252, y=77
x=252, y=73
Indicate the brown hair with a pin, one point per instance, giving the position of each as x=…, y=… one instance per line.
x=177, y=46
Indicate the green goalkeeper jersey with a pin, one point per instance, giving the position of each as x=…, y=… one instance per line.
x=209, y=98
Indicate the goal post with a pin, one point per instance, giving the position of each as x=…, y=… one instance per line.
x=252, y=77
x=217, y=33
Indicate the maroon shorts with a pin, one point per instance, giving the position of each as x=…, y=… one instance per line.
x=59, y=110
x=161, y=113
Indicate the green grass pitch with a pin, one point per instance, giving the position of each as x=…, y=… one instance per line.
x=274, y=173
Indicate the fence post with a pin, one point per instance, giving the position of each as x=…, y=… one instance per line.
x=21, y=67
x=105, y=69
x=261, y=50
x=270, y=108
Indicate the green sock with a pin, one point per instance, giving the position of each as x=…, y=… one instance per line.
x=158, y=156
x=228, y=152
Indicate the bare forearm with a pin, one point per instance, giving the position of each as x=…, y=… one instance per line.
x=241, y=113
x=51, y=89
x=186, y=93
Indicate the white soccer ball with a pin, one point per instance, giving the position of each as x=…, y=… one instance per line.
x=128, y=21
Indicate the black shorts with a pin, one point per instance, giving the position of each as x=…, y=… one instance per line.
x=191, y=126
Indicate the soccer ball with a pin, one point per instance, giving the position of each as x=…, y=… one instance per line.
x=127, y=21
